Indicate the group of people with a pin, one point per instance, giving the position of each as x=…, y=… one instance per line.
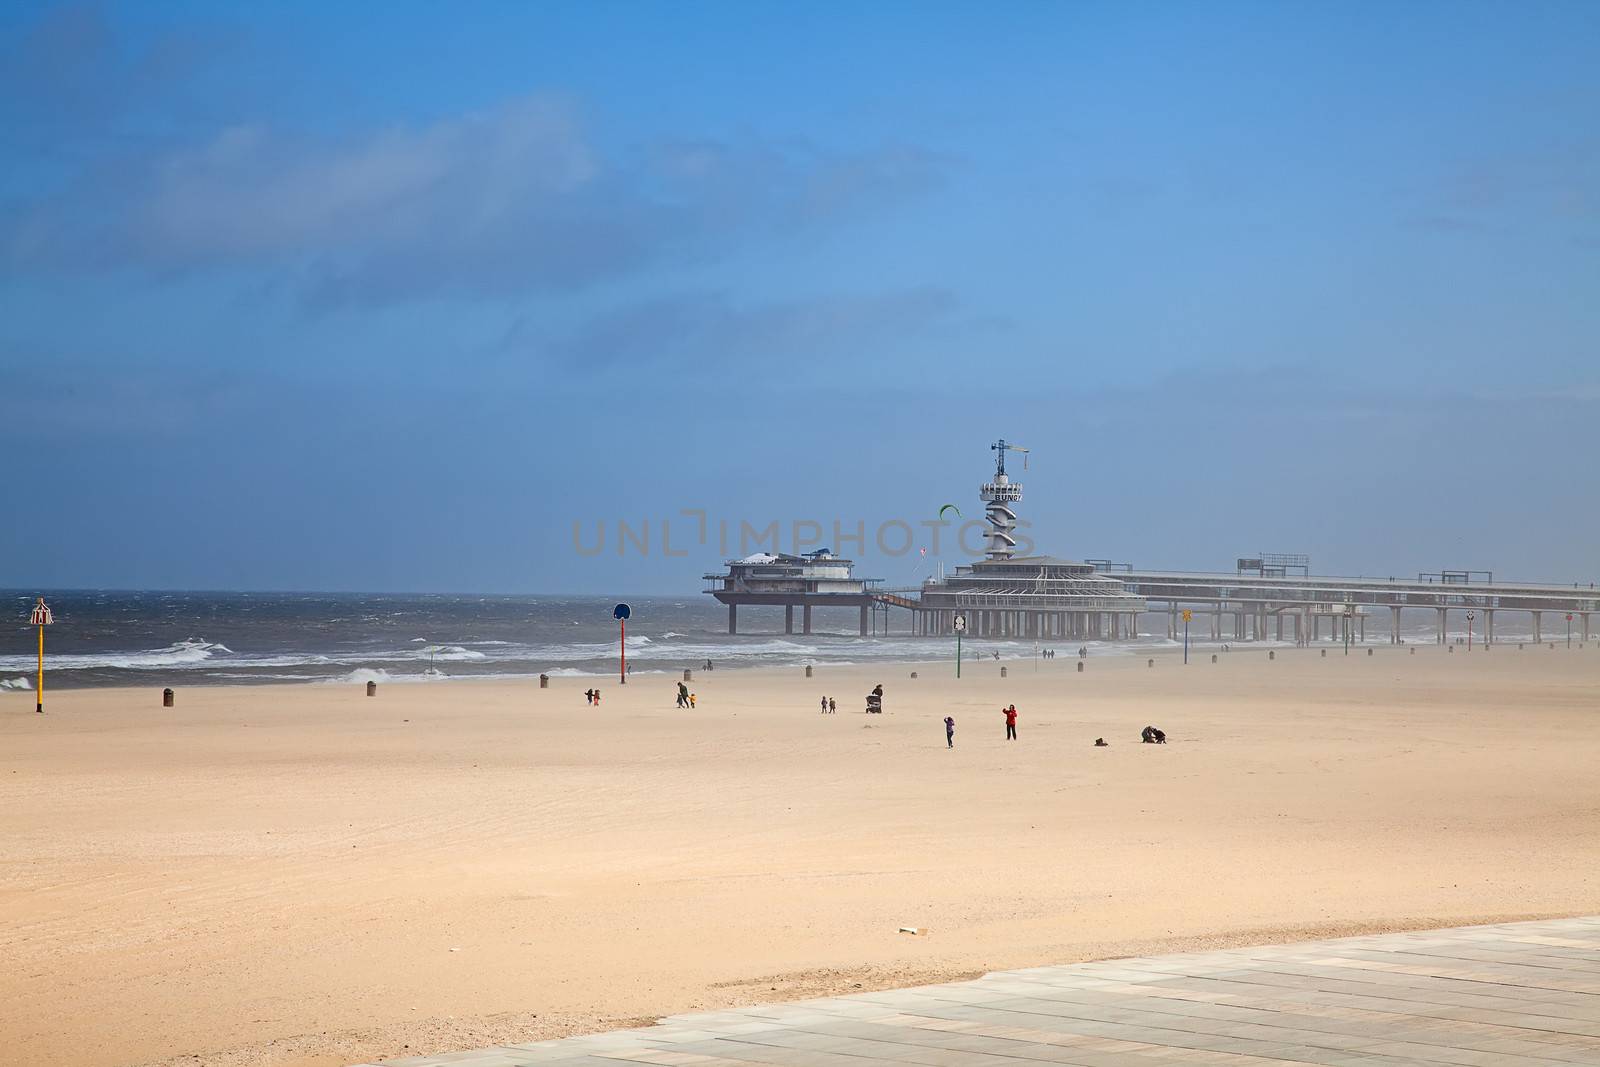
x=1010, y=712
x=685, y=698
x=592, y=696
x=828, y=706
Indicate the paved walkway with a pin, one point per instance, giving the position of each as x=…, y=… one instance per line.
x=1517, y=994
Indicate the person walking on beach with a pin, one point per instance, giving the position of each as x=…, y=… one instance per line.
x=691, y=701
x=824, y=705
x=588, y=696
x=949, y=732
x=1011, y=722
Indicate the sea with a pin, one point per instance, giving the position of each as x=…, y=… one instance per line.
x=102, y=638
x=199, y=638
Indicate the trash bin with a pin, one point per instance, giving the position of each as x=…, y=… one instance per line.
x=808, y=670
x=1149, y=663
x=1274, y=655
x=544, y=681
x=1080, y=666
x=1002, y=672
x=913, y=674
x=688, y=676
x=166, y=698
x=372, y=689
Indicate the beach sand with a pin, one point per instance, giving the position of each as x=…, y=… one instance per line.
x=304, y=876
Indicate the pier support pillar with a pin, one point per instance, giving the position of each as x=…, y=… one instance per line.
x=1488, y=627
x=1444, y=614
x=805, y=617
x=733, y=618
x=1586, y=626
x=788, y=618
x=1394, y=625
x=864, y=609
x=1538, y=627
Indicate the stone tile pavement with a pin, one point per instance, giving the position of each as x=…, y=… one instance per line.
x=1509, y=995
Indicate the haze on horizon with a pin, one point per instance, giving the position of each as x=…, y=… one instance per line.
x=355, y=297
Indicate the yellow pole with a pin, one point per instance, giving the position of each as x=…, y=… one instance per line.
x=40, y=706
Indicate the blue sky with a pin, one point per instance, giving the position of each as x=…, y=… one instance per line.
x=367, y=296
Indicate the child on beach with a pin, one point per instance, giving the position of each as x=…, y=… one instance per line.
x=691, y=701
x=949, y=732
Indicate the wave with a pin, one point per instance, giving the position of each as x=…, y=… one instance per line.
x=19, y=684
x=447, y=653
x=180, y=654
x=363, y=675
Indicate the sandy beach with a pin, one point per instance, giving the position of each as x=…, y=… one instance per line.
x=301, y=876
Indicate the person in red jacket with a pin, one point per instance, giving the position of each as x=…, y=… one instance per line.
x=1011, y=722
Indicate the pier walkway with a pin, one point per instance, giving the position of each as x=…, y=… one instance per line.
x=1515, y=994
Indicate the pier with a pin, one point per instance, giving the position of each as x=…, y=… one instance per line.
x=1268, y=596
x=809, y=581
x=1262, y=607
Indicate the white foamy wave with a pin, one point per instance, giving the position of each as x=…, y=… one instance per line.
x=451, y=653
x=362, y=675
x=16, y=683
x=182, y=654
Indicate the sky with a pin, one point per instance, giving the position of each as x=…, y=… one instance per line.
x=440, y=297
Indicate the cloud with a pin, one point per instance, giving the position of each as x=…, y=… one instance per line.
x=714, y=333
x=502, y=202
x=67, y=78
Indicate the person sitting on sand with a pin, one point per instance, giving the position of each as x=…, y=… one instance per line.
x=1100, y=742
x=1151, y=736
x=949, y=732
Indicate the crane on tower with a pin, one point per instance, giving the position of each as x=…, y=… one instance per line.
x=1000, y=448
